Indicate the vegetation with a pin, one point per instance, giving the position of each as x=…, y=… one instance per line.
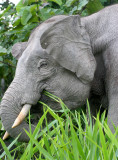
x=65, y=137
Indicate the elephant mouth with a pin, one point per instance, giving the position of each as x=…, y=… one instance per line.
x=36, y=109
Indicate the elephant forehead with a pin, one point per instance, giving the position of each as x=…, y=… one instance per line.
x=33, y=53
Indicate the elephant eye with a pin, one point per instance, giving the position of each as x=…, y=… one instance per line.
x=42, y=64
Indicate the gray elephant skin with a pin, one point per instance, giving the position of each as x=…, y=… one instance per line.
x=71, y=57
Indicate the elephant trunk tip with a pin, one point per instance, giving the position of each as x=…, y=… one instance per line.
x=21, y=115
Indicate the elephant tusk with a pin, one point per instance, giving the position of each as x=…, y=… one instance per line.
x=22, y=115
x=6, y=135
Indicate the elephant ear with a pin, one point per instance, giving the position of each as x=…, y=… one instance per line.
x=18, y=49
x=69, y=44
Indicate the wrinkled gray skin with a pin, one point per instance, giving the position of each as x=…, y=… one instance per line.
x=71, y=57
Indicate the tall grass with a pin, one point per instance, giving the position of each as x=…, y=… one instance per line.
x=65, y=138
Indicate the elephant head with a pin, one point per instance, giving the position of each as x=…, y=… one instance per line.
x=57, y=58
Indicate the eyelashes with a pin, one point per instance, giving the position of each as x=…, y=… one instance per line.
x=42, y=64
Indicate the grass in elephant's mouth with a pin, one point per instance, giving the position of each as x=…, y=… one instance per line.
x=37, y=110
x=64, y=138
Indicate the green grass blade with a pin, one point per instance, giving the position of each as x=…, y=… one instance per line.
x=104, y=147
x=77, y=147
x=35, y=134
x=9, y=147
x=6, y=150
x=41, y=149
x=46, y=142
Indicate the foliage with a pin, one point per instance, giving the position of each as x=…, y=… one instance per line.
x=65, y=138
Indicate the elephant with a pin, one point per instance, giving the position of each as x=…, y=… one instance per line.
x=72, y=57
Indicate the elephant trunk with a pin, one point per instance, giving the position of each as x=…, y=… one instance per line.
x=10, y=109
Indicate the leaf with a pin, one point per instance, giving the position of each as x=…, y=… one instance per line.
x=70, y=2
x=31, y=1
x=59, y=2
x=16, y=22
x=34, y=19
x=26, y=16
x=1, y=64
x=9, y=62
x=1, y=59
x=3, y=51
x=6, y=10
x=94, y=6
x=73, y=10
x=20, y=5
x=2, y=54
x=33, y=9
x=44, y=14
x=82, y=4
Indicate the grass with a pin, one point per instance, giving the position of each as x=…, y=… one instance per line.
x=65, y=138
